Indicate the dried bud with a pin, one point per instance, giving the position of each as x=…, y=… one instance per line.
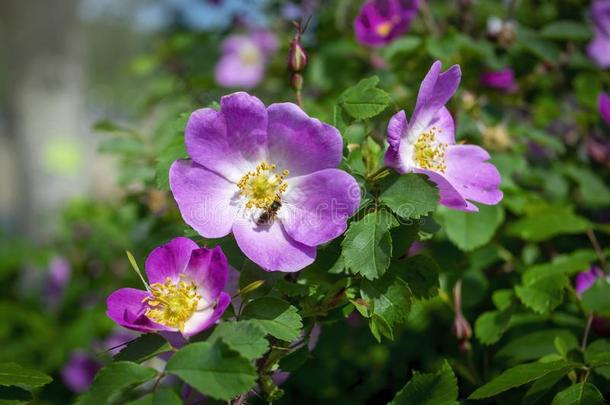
x=461, y=328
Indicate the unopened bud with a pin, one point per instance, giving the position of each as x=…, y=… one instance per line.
x=461, y=328
x=297, y=58
x=296, y=81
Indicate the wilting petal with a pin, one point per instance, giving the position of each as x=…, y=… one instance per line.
x=232, y=141
x=169, y=260
x=126, y=308
x=300, y=143
x=604, y=107
x=435, y=91
x=206, y=200
x=203, y=319
x=470, y=174
x=270, y=247
x=318, y=205
x=208, y=269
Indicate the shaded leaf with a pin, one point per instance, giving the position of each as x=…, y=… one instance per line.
x=12, y=374
x=245, y=337
x=470, y=230
x=438, y=388
x=275, y=316
x=143, y=348
x=409, y=196
x=579, y=394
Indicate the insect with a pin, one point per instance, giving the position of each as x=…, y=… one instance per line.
x=269, y=213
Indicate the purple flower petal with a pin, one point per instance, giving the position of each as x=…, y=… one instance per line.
x=78, y=373
x=397, y=128
x=317, y=206
x=604, y=107
x=229, y=142
x=499, y=79
x=586, y=279
x=208, y=268
x=169, y=260
x=471, y=175
x=271, y=248
x=599, y=49
x=126, y=308
x=299, y=143
x=435, y=91
x=203, y=319
x=232, y=71
x=449, y=196
x=381, y=21
x=205, y=199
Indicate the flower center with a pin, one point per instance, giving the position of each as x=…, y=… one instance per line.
x=384, y=29
x=249, y=55
x=262, y=186
x=429, y=153
x=172, y=304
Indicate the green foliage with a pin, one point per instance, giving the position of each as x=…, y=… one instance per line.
x=245, y=337
x=12, y=374
x=213, y=369
x=520, y=375
x=544, y=222
x=579, y=394
x=472, y=230
x=389, y=298
x=367, y=247
x=364, y=100
x=421, y=274
x=597, y=298
x=143, y=348
x=161, y=396
x=113, y=380
x=410, y=196
x=276, y=317
x=429, y=388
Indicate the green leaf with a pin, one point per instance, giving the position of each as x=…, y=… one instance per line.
x=409, y=196
x=294, y=360
x=541, y=388
x=567, y=30
x=401, y=46
x=12, y=374
x=547, y=221
x=579, y=394
x=531, y=41
x=275, y=316
x=14, y=396
x=537, y=344
x=520, y=375
x=597, y=353
x=245, y=337
x=597, y=298
x=364, y=100
x=390, y=297
x=491, y=325
x=111, y=381
x=563, y=264
x=367, y=247
x=438, y=388
x=544, y=294
x=593, y=190
x=421, y=274
x=380, y=327
x=470, y=230
x=174, y=151
x=143, y=348
x=213, y=369
x=161, y=396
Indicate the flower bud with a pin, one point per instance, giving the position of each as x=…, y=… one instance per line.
x=297, y=58
x=296, y=81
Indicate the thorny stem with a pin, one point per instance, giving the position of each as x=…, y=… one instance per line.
x=598, y=250
x=378, y=174
x=585, y=337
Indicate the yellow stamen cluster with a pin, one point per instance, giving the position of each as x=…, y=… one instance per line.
x=172, y=304
x=262, y=186
x=250, y=55
x=430, y=154
x=384, y=29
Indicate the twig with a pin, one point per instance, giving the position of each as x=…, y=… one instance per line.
x=598, y=250
x=585, y=337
